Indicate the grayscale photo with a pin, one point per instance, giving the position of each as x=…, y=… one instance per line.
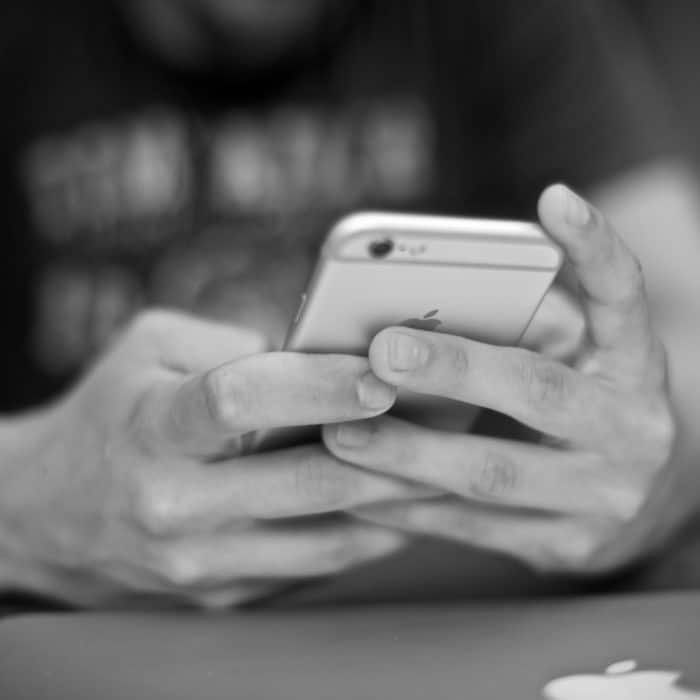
x=350, y=350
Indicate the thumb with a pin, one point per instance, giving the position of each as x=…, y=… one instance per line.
x=187, y=344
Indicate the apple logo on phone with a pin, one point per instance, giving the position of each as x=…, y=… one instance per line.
x=621, y=681
x=429, y=322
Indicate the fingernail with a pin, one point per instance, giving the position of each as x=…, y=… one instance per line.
x=373, y=393
x=353, y=434
x=578, y=213
x=406, y=352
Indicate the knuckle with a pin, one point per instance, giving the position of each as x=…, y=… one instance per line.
x=179, y=569
x=496, y=477
x=545, y=384
x=458, y=362
x=159, y=509
x=320, y=484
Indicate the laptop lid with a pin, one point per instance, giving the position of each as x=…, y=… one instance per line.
x=559, y=650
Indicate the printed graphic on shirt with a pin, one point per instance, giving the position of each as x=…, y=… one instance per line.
x=218, y=217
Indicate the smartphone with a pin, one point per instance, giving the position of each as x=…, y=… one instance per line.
x=478, y=278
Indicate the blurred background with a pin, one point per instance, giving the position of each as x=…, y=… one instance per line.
x=668, y=31
x=191, y=153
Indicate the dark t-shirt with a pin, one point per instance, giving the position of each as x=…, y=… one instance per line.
x=669, y=30
x=127, y=183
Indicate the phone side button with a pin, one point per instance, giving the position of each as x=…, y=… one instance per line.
x=302, y=304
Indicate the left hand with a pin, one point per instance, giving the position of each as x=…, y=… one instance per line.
x=596, y=492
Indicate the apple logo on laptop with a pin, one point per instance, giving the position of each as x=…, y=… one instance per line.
x=621, y=681
x=429, y=322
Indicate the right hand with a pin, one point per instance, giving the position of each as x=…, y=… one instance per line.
x=120, y=489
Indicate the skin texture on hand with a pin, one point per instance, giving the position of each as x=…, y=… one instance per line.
x=592, y=494
x=131, y=485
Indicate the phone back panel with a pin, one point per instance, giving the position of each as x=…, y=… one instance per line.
x=478, y=278
x=351, y=301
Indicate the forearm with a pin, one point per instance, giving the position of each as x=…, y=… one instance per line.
x=33, y=486
x=24, y=457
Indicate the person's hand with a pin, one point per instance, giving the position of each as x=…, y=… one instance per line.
x=596, y=493
x=125, y=490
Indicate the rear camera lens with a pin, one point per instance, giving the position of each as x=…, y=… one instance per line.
x=381, y=248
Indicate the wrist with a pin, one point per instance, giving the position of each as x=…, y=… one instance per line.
x=24, y=454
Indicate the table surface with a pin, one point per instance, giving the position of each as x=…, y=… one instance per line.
x=436, y=652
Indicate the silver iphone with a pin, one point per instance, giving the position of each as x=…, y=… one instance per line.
x=478, y=278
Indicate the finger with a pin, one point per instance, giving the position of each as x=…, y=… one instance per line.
x=226, y=596
x=545, y=542
x=542, y=393
x=484, y=470
x=558, y=328
x=610, y=278
x=148, y=585
x=188, y=344
x=292, y=551
x=301, y=481
x=259, y=392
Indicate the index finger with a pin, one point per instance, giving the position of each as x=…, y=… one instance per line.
x=197, y=416
x=610, y=277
